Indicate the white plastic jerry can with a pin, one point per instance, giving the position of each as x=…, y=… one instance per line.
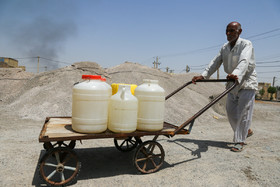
x=90, y=102
x=123, y=111
x=151, y=100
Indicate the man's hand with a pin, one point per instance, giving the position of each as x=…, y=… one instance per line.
x=196, y=78
x=232, y=77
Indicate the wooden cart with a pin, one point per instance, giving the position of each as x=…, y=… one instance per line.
x=60, y=164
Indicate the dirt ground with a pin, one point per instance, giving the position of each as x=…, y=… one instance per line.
x=202, y=158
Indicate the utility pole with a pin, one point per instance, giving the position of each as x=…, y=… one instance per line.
x=273, y=81
x=167, y=68
x=156, y=63
x=38, y=65
x=188, y=69
x=218, y=73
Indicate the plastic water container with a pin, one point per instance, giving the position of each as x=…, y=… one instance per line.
x=107, y=85
x=115, y=87
x=123, y=111
x=151, y=99
x=90, y=102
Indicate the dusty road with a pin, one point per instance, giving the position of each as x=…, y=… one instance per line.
x=199, y=159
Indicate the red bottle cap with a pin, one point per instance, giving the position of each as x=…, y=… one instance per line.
x=91, y=77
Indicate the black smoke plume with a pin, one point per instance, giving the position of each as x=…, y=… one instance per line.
x=45, y=38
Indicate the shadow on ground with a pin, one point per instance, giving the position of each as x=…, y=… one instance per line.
x=202, y=145
x=108, y=161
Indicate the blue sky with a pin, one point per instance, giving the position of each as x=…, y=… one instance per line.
x=110, y=32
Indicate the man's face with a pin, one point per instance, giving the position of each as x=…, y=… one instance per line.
x=232, y=32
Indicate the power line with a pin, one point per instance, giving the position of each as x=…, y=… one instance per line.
x=257, y=35
x=25, y=57
x=269, y=66
x=266, y=37
x=197, y=68
x=56, y=61
x=261, y=62
x=266, y=77
x=200, y=65
x=268, y=62
x=52, y=60
x=216, y=46
x=193, y=51
x=268, y=72
x=273, y=56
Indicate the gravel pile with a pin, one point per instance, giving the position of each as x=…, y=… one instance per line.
x=50, y=93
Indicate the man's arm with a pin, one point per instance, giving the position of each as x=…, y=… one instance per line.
x=212, y=67
x=196, y=78
x=232, y=77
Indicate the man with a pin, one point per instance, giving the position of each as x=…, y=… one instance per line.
x=237, y=57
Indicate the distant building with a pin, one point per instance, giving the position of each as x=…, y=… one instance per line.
x=6, y=62
x=278, y=95
x=266, y=95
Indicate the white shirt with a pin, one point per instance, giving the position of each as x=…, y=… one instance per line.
x=239, y=61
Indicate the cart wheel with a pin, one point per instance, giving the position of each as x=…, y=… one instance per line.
x=149, y=157
x=59, y=166
x=125, y=145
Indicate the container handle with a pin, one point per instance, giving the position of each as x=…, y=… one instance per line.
x=123, y=93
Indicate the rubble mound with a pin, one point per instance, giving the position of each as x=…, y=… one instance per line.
x=12, y=80
x=50, y=93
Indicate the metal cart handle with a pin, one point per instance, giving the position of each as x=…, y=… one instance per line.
x=191, y=120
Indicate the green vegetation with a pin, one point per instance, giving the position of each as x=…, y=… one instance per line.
x=271, y=90
x=261, y=92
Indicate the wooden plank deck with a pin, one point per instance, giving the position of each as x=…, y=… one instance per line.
x=60, y=129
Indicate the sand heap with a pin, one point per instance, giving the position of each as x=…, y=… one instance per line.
x=12, y=81
x=50, y=93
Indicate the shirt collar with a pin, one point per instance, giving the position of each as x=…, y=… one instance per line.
x=236, y=44
x=238, y=41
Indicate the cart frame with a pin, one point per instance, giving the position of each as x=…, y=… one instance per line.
x=60, y=164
